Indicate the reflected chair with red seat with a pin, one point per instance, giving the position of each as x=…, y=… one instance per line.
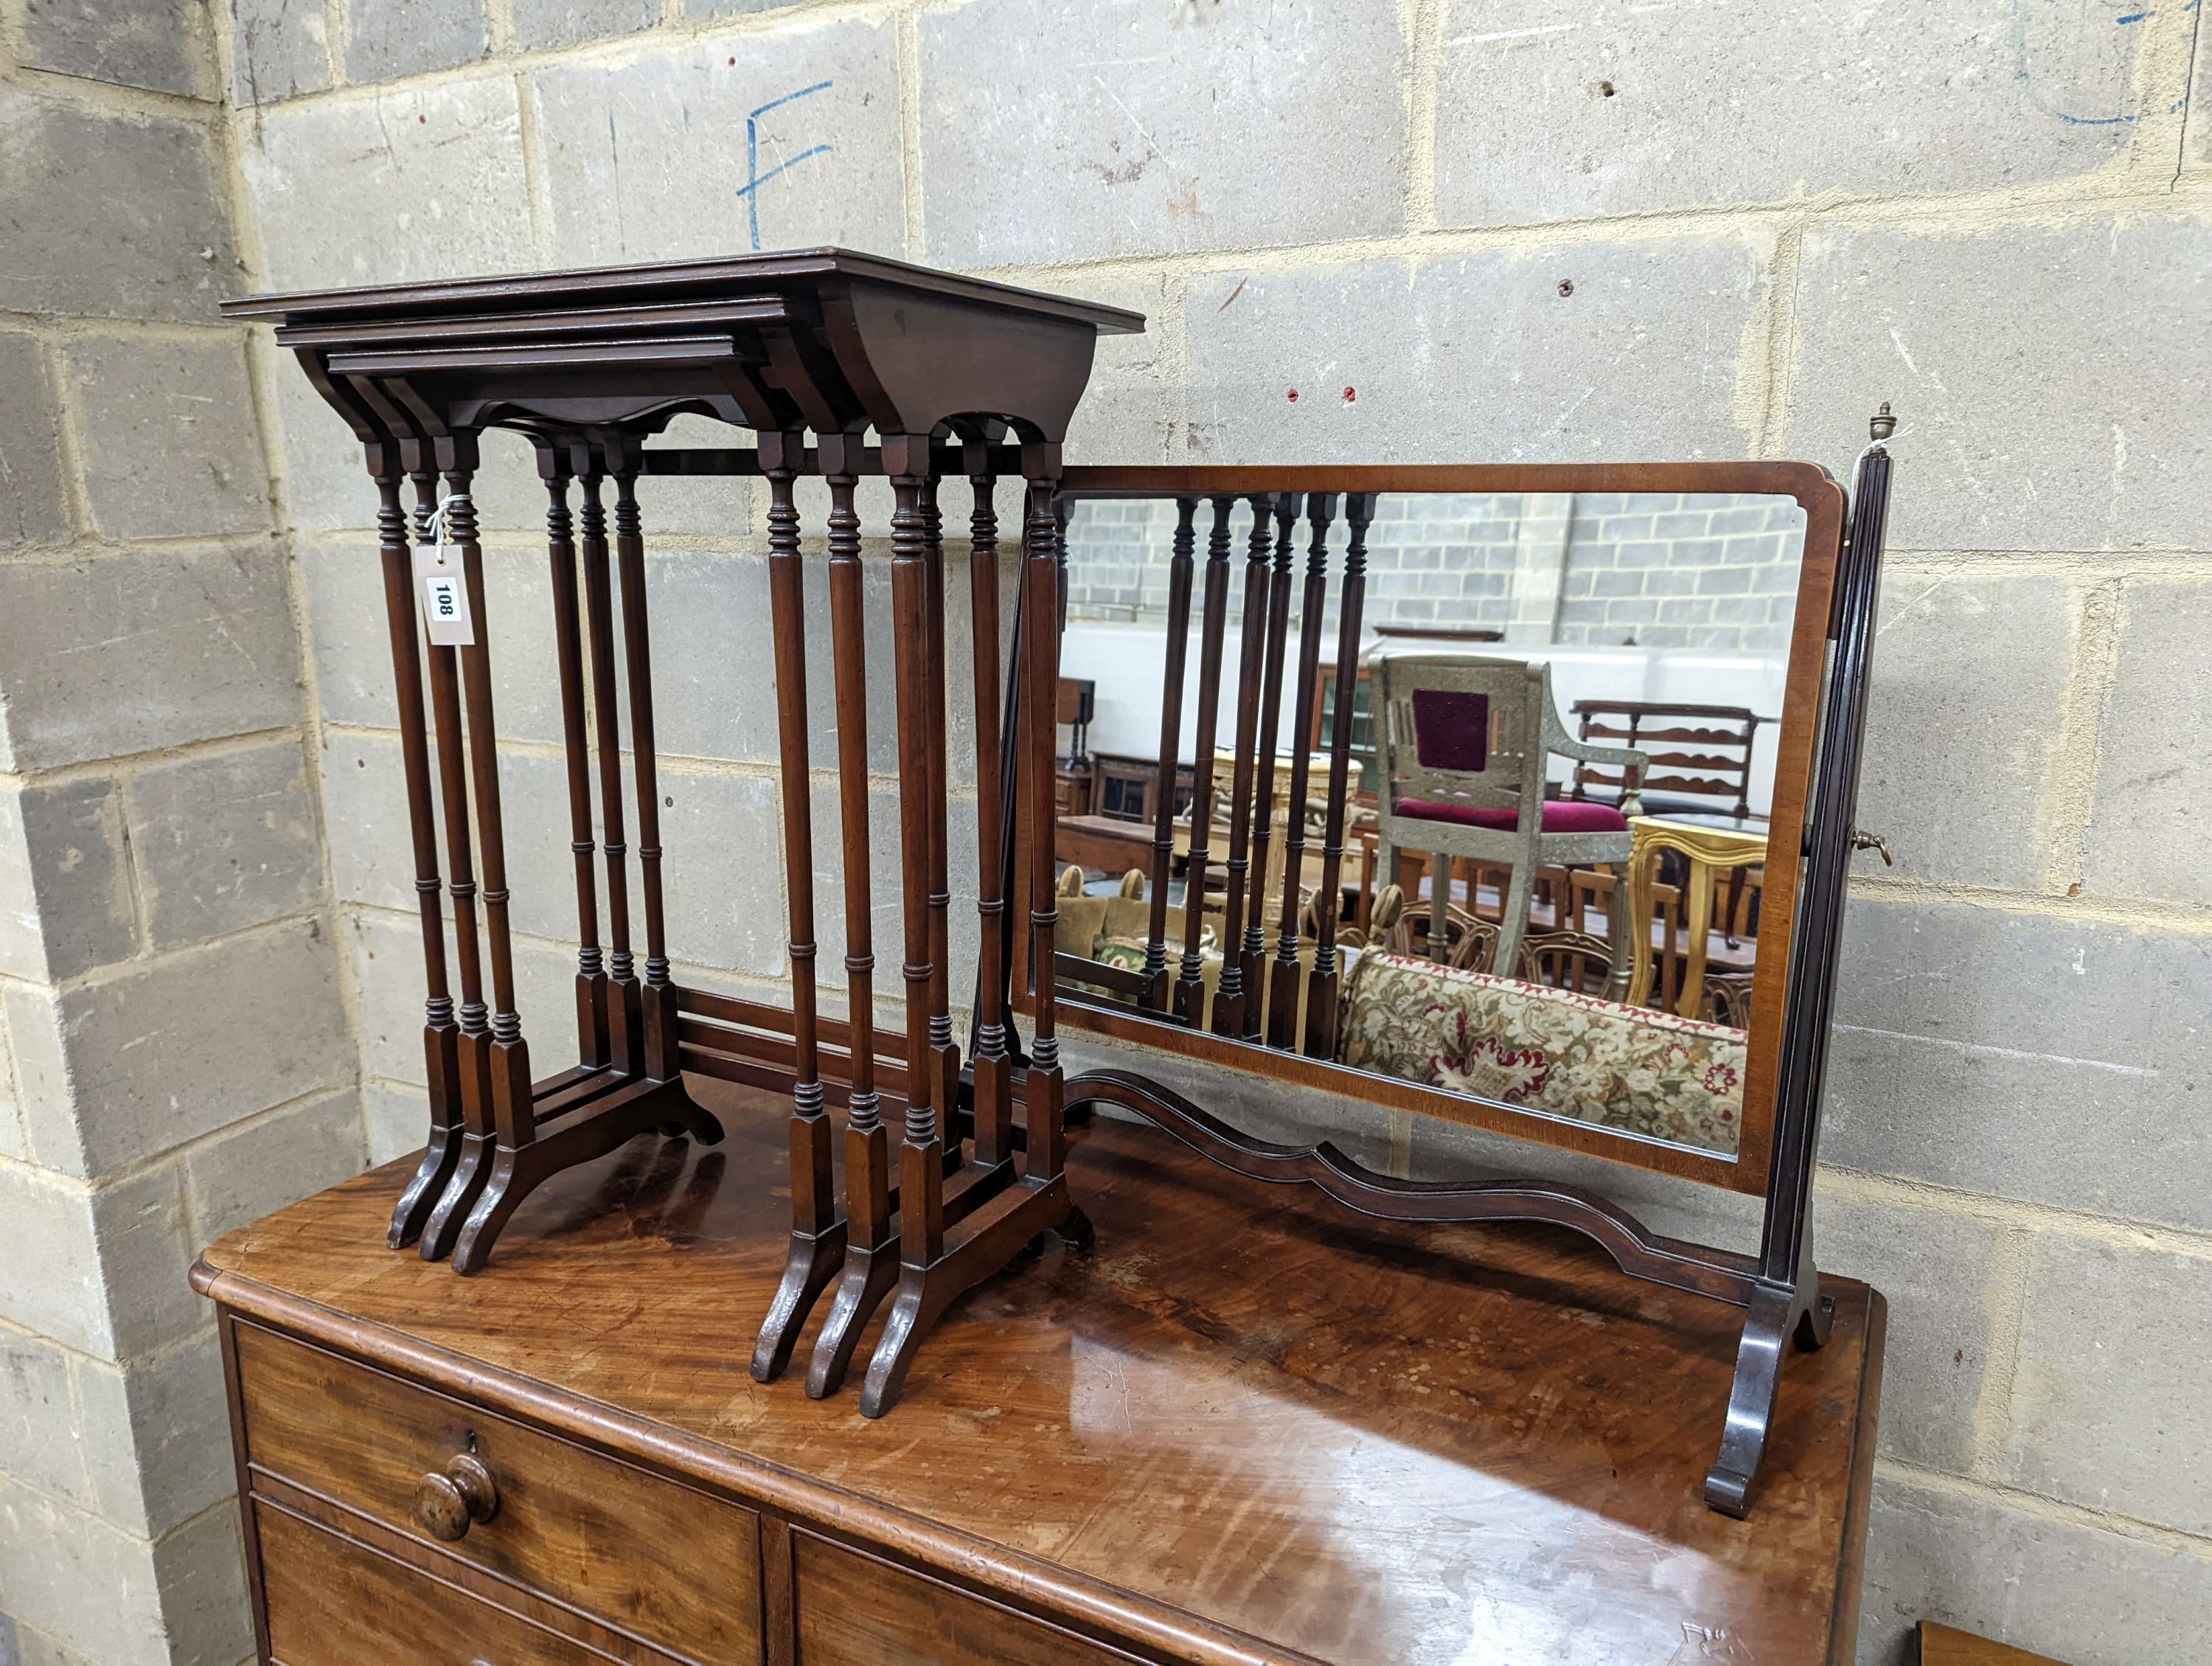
x=1465, y=744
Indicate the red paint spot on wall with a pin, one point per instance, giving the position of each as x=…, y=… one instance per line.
x=1294, y=396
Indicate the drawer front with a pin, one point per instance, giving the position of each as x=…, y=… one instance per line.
x=655, y=1559
x=333, y=1602
x=854, y=1610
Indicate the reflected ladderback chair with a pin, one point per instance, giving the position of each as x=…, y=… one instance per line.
x=1465, y=743
x=1700, y=755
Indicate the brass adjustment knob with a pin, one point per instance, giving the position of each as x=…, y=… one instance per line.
x=448, y=1501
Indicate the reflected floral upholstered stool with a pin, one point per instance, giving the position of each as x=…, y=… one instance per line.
x=1550, y=1051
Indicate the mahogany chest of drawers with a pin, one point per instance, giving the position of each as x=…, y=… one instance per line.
x=1328, y=1441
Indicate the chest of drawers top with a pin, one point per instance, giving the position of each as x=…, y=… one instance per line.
x=1286, y=1437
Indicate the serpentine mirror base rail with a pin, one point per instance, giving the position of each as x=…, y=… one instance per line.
x=1658, y=890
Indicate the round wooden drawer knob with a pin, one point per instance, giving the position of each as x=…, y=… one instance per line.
x=448, y=1501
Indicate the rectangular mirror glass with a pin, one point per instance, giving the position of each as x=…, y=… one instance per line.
x=1545, y=880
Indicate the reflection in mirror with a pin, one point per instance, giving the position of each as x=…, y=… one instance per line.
x=1470, y=791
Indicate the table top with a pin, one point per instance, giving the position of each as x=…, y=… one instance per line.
x=825, y=340
x=1248, y=1420
x=1941, y=1645
x=1721, y=833
x=663, y=282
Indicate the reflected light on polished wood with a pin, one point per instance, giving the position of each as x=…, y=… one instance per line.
x=1242, y=1429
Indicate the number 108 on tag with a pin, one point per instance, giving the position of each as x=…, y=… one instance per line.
x=445, y=610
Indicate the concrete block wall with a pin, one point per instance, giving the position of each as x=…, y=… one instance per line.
x=1712, y=573
x=1716, y=573
x=176, y=1053
x=1388, y=230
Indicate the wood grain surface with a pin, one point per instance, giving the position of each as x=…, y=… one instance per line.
x=661, y=1561
x=335, y=1602
x=1242, y=1428
x=854, y=1610
x=1942, y=1645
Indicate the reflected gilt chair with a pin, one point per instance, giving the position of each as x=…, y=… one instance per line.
x=1465, y=745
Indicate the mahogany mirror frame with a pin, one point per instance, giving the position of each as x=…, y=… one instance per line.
x=1822, y=500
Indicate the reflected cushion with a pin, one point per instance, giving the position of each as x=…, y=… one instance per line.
x=1452, y=729
x=1552, y=1051
x=1560, y=815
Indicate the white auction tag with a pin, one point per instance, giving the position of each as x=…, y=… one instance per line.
x=445, y=596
